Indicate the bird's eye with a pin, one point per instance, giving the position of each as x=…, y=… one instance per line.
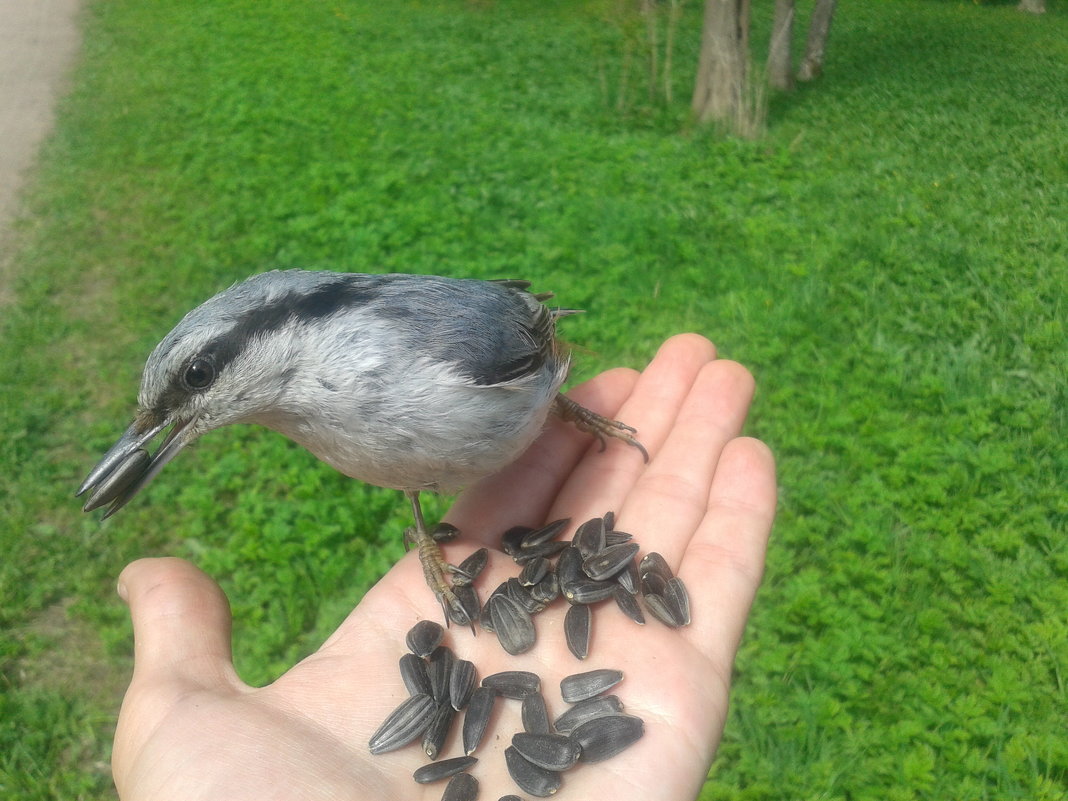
x=199, y=374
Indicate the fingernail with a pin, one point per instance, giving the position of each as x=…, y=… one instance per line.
x=120, y=588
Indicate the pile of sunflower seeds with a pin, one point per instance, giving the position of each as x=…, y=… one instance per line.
x=593, y=729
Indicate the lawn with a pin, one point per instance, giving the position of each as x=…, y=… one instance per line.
x=890, y=260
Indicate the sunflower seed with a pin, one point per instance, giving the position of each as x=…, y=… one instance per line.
x=531, y=779
x=549, y=751
x=617, y=538
x=461, y=683
x=661, y=610
x=476, y=718
x=468, y=598
x=535, y=715
x=424, y=637
x=544, y=534
x=628, y=578
x=439, y=666
x=577, y=630
x=516, y=684
x=521, y=595
x=656, y=564
x=404, y=724
x=484, y=618
x=534, y=571
x=468, y=570
x=589, y=538
x=609, y=520
x=678, y=599
x=569, y=567
x=444, y=532
x=512, y=625
x=438, y=730
x=512, y=539
x=605, y=737
x=654, y=584
x=119, y=479
x=581, y=686
x=436, y=771
x=414, y=675
x=509, y=798
x=608, y=562
x=546, y=590
x=461, y=787
x=588, y=591
x=584, y=711
x=546, y=550
x=628, y=605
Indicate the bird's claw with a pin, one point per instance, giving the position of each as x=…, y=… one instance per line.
x=599, y=426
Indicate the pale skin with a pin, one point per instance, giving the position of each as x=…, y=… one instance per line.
x=190, y=729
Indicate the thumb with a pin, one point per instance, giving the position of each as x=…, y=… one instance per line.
x=181, y=625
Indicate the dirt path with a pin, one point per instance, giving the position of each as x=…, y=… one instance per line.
x=38, y=42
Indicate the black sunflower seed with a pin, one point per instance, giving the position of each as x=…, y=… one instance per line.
x=550, y=751
x=414, y=675
x=546, y=590
x=468, y=598
x=660, y=609
x=512, y=539
x=546, y=550
x=589, y=538
x=509, y=798
x=404, y=724
x=424, y=637
x=535, y=714
x=609, y=520
x=544, y=534
x=611, y=560
x=653, y=584
x=436, y=771
x=521, y=595
x=590, y=709
x=461, y=787
x=484, y=619
x=581, y=686
x=461, y=683
x=439, y=666
x=512, y=625
x=628, y=579
x=569, y=567
x=617, y=538
x=468, y=570
x=628, y=605
x=678, y=599
x=477, y=716
x=119, y=479
x=438, y=730
x=531, y=779
x=656, y=564
x=605, y=737
x=444, y=532
x=534, y=571
x=588, y=591
x=577, y=630
x=516, y=684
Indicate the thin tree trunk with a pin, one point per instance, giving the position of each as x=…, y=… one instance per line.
x=669, y=49
x=780, y=55
x=818, y=31
x=648, y=8
x=719, y=91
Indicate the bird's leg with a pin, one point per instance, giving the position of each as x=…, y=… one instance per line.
x=434, y=565
x=593, y=423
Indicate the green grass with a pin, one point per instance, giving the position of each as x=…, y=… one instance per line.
x=890, y=261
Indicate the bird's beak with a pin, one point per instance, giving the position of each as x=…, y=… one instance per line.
x=127, y=467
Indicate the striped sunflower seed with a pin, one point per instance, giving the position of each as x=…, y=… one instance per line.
x=577, y=630
x=550, y=751
x=611, y=560
x=546, y=590
x=546, y=550
x=544, y=534
x=581, y=686
x=439, y=666
x=414, y=675
x=476, y=718
x=569, y=567
x=512, y=625
x=512, y=539
x=404, y=724
x=534, y=571
x=484, y=619
x=468, y=598
x=444, y=532
x=617, y=538
x=628, y=605
x=119, y=479
x=468, y=570
x=535, y=714
x=588, y=591
x=461, y=787
x=628, y=578
x=436, y=771
x=461, y=683
x=531, y=779
x=584, y=711
x=516, y=684
x=605, y=737
x=654, y=563
x=438, y=730
x=521, y=595
x=424, y=637
x=679, y=599
x=589, y=538
x=662, y=610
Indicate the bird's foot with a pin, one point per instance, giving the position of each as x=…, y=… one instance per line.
x=436, y=571
x=592, y=423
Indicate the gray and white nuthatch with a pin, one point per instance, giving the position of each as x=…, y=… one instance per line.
x=418, y=383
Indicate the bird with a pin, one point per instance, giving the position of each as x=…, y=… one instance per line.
x=418, y=383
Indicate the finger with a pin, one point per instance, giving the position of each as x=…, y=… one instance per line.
x=181, y=622
x=523, y=492
x=724, y=562
x=671, y=497
x=601, y=481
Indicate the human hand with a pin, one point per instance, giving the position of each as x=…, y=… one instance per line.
x=190, y=729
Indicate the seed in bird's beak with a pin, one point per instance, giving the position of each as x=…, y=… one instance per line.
x=424, y=637
x=128, y=471
x=605, y=737
x=404, y=724
x=581, y=686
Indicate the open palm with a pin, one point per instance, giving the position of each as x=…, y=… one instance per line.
x=190, y=729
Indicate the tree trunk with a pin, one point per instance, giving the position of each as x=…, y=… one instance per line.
x=818, y=31
x=1032, y=6
x=722, y=71
x=780, y=56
